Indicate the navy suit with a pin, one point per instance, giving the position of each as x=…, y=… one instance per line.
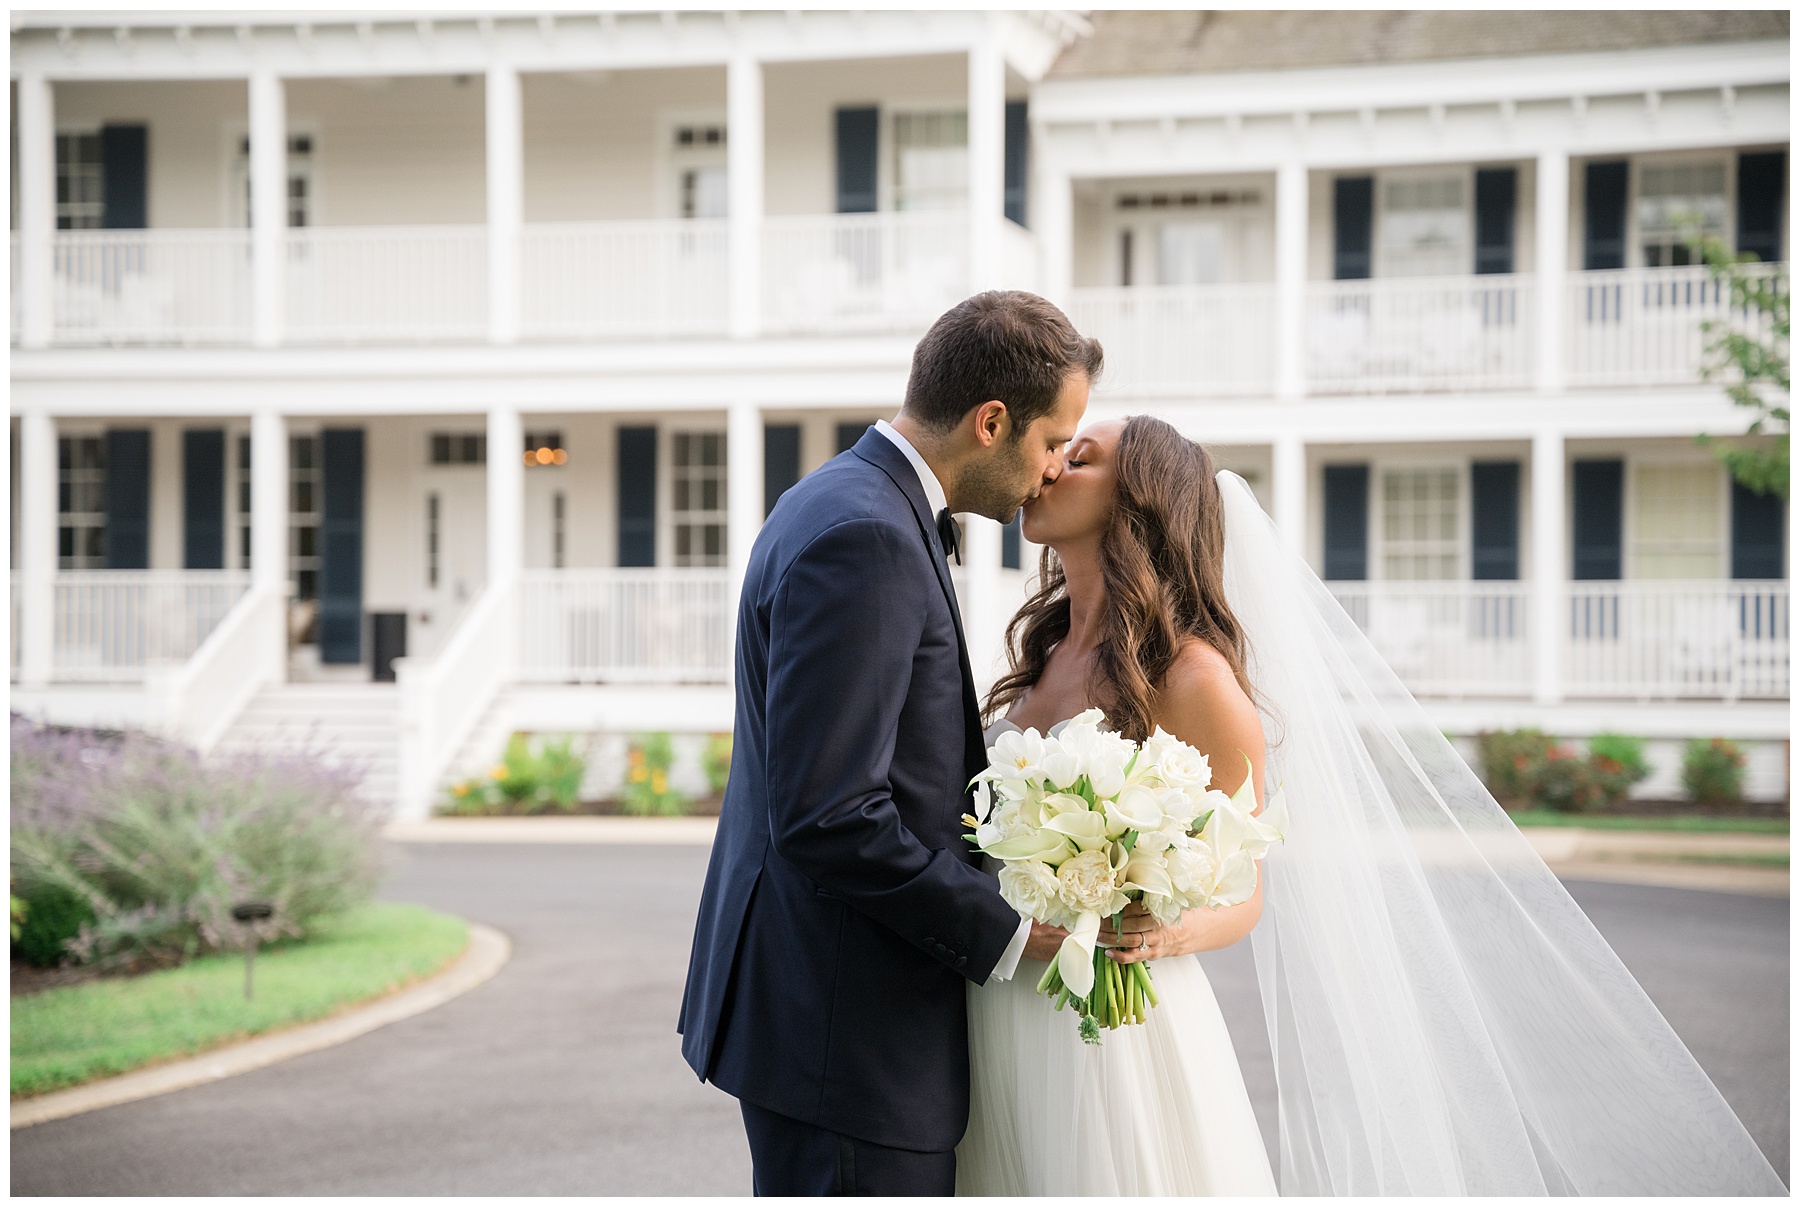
x=843, y=913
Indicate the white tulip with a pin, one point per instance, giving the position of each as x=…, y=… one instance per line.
x=1061, y=767
x=1016, y=755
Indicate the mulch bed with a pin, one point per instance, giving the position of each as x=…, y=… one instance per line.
x=705, y=807
x=29, y=978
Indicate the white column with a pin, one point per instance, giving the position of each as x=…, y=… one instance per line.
x=37, y=547
x=505, y=496
x=268, y=206
x=37, y=211
x=1552, y=265
x=1288, y=485
x=1053, y=217
x=984, y=613
x=744, y=490
x=987, y=160
x=1549, y=566
x=744, y=184
x=505, y=202
x=1290, y=280
x=269, y=500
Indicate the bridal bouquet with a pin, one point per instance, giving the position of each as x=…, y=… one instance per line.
x=1086, y=822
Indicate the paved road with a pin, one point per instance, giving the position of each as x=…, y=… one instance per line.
x=561, y=1076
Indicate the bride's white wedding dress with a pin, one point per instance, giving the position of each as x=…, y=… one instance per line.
x=1156, y=1109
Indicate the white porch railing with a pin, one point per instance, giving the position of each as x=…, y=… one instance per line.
x=1414, y=334
x=149, y=286
x=1447, y=638
x=624, y=626
x=1188, y=340
x=606, y=280
x=829, y=274
x=399, y=284
x=442, y=701
x=119, y=625
x=1661, y=640
x=244, y=653
x=1643, y=326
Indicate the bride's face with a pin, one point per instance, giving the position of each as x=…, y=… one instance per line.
x=1078, y=505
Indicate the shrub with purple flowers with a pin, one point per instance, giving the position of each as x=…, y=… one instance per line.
x=141, y=847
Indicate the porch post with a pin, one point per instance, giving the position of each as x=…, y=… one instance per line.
x=1549, y=566
x=1552, y=266
x=505, y=497
x=1290, y=280
x=983, y=611
x=987, y=159
x=744, y=187
x=1052, y=214
x=37, y=547
x=37, y=214
x=268, y=207
x=505, y=210
x=743, y=499
x=268, y=501
x=1288, y=457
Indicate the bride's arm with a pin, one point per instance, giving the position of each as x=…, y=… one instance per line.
x=1202, y=704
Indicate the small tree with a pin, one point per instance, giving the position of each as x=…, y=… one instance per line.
x=1752, y=358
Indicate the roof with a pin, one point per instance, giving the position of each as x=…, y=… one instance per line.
x=1209, y=40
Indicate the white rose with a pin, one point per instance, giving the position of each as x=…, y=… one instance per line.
x=1088, y=884
x=1031, y=888
x=1181, y=766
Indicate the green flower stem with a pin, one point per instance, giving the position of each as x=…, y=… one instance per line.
x=1043, y=985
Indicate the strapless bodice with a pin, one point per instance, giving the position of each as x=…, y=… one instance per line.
x=1005, y=726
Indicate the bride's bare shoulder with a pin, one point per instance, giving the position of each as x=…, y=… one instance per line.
x=1202, y=703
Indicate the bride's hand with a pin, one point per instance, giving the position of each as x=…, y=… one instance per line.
x=1045, y=942
x=1141, y=937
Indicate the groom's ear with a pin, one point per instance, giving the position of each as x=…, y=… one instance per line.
x=992, y=423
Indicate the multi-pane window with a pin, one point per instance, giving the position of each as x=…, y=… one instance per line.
x=931, y=160
x=559, y=530
x=80, y=182
x=1425, y=226
x=300, y=190
x=1678, y=522
x=458, y=448
x=698, y=513
x=81, y=502
x=1674, y=201
x=303, y=515
x=243, y=501
x=544, y=449
x=433, y=539
x=1421, y=524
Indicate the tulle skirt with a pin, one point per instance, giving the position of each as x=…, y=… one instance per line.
x=1157, y=1109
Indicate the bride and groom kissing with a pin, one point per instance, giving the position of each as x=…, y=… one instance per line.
x=1444, y=1018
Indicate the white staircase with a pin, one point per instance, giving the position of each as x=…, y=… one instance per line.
x=486, y=743
x=353, y=724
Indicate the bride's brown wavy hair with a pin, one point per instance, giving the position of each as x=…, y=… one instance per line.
x=1162, y=561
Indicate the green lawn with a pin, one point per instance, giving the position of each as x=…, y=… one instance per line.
x=1691, y=822
x=62, y=1037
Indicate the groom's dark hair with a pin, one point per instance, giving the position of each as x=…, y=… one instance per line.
x=1003, y=344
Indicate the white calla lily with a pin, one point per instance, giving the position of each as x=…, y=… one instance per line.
x=1086, y=829
x=1075, y=959
x=1047, y=847
x=1135, y=809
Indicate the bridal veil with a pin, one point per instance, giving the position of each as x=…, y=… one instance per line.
x=1444, y=1018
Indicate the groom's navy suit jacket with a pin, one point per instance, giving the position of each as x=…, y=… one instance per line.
x=843, y=913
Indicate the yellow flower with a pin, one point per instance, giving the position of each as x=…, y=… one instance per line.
x=499, y=772
x=659, y=782
x=460, y=790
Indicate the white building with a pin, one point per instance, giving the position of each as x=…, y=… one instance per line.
x=286, y=284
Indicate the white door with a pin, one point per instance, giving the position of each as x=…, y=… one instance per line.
x=455, y=540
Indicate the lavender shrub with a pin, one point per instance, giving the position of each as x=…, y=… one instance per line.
x=160, y=843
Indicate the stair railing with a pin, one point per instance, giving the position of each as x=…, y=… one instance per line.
x=441, y=701
x=245, y=652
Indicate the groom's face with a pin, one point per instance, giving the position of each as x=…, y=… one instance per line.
x=1019, y=465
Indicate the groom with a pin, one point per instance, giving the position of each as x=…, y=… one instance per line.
x=843, y=914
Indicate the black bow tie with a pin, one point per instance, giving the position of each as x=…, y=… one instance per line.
x=949, y=535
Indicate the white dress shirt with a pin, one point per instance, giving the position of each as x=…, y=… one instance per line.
x=937, y=501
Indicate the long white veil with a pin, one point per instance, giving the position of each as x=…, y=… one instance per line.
x=1444, y=1018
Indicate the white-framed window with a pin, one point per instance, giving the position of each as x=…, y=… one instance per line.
x=1190, y=233
x=243, y=502
x=301, y=208
x=1421, y=523
x=81, y=502
x=456, y=448
x=434, y=543
x=1424, y=223
x=559, y=530
x=1678, y=520
x=695, y=165
x=929, y=163
x=697, y=505
x=1673, y=198
x=80, y=180
x=304, y=486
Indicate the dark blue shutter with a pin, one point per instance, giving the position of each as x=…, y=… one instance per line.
x=340, y=545
x=1018, y=160
x=124, y=177
x=1011, y=537
x=1353, y=227
x=128, y=499
x=203, y=499
x=1494, y=519
x=1757, y=533
x=1762, y=179
x=857, y=139
x=781, y=461
x=849, y=433
x=1346, y=523
x=637, y=496
x=1604, y=228
x=1496, y=199
x=1599, y=500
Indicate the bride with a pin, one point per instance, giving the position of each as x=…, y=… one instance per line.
x=1443, y=1018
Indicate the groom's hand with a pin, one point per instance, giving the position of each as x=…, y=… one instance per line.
x=1045, y=942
